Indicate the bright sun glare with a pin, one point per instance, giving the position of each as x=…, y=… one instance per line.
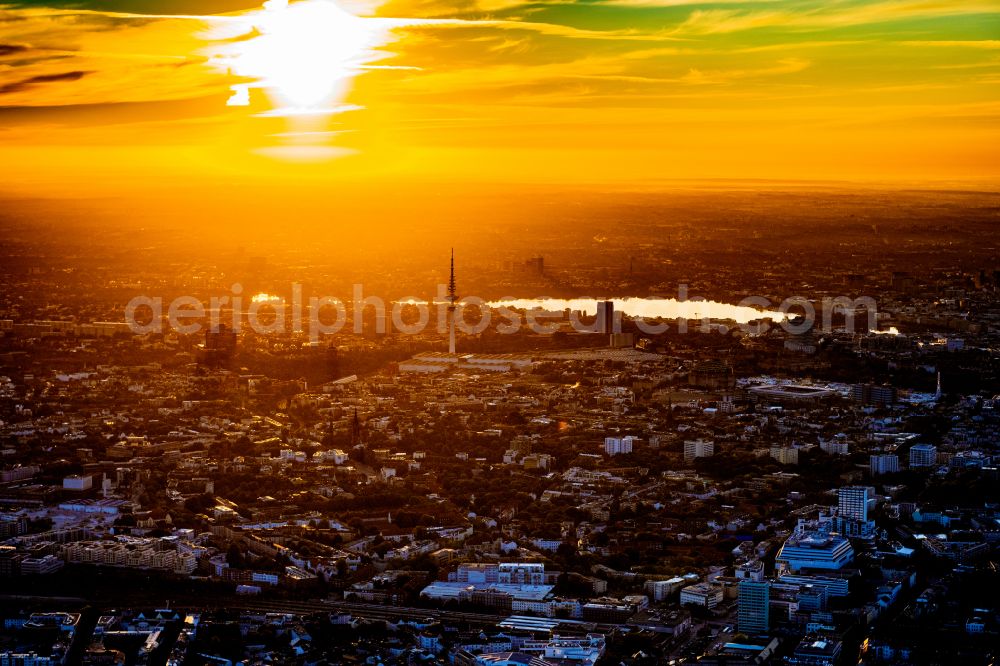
x=303, y=54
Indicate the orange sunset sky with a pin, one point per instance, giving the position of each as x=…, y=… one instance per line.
x=120, y=96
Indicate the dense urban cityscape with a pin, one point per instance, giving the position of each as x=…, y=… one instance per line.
x=717, y=491
x=499, y=332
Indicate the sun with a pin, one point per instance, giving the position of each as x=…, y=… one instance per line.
x=304, y=55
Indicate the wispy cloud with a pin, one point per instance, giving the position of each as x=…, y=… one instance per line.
x=10, y=49
x=541, y=28
x=985, y=44
x=41, y=79
x=121, y=56
x=646, y=4
x=828, y=15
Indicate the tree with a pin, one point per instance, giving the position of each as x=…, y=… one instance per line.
x=234, y=557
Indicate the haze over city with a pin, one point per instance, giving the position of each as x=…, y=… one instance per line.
x=499, y=332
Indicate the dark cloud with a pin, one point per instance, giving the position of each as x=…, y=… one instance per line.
x=25, y=84
x=31, y=57
x=116, y=113
x=11, y=49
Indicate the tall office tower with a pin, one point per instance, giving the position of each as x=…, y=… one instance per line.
x=606, y=317
x=753, y=606
x=219, y=347
x=332, y=359
x=853, y=502
x=923, y=455
x=535, y=265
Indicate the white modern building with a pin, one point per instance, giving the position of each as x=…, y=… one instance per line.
x=853, y=505
x=785, y=455
x=614, y=446
x=661, y=590
x=521, y=573
x=336, y=456
x=854, y=502
x=705, y=595
x=750, y=570
x=815, y=548
x=523, y=581
x=698, y=448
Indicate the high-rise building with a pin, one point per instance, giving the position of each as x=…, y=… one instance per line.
x=785, y=455
x=614, y=446
x=874, y=394
x=854, y=502
x=332, y=360
x=883, y=464
x=219, y=347
x=753, y=606
x=606, y=317
x=835, y=447
x=923, y=455
x=698, y=448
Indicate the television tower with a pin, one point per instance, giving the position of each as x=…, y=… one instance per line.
x=452, y=298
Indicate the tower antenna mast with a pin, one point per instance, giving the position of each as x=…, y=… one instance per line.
x=452, y=298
